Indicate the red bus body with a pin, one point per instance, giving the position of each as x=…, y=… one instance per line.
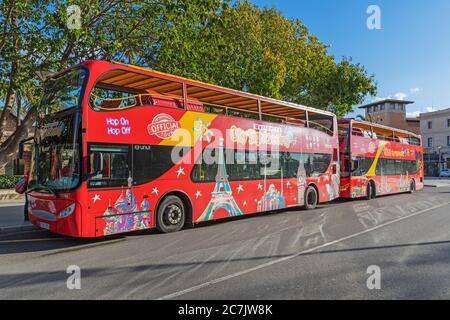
x=390, y=159
x=152, y=125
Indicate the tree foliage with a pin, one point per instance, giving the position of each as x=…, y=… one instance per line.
x=235, y=45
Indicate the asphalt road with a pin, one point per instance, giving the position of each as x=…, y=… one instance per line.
x=321, y=254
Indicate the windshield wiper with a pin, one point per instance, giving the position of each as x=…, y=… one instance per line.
x=40, y=188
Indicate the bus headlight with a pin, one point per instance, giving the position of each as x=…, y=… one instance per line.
x=64, y=213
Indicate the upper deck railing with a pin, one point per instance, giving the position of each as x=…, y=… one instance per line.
x=127, y=87
x=384, y=133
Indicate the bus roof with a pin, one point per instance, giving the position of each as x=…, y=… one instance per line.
x=140, y=78
x=379, y=126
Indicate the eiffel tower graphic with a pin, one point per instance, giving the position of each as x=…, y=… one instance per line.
x=222, y=196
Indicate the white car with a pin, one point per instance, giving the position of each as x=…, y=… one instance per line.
x=445, y=173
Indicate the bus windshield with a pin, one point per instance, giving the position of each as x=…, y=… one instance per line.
x=55, y=165
x=64, y=92
x=56, y=159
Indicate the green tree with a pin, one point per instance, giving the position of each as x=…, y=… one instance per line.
x=235, y=45
x=258, y=50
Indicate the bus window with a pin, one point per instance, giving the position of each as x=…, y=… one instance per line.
x=151, y=162
x=108, y=99
x=321, y=122
x=109, y=165
x=361, y=165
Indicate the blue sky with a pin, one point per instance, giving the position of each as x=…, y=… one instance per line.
x=409, y=56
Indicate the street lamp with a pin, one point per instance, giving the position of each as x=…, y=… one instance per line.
x=439, y=161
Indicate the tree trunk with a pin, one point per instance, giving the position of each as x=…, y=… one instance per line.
x=9, y=100
x=8, y=149
x=19, y=110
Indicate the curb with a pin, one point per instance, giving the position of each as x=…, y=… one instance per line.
x=5, y=204
x=437, y=185
x=13, y=229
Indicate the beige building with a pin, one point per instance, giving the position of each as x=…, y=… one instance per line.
x=14, y=167
x=435, y=131
x=391, y=113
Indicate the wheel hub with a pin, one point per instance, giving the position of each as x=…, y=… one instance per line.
x=174, y=214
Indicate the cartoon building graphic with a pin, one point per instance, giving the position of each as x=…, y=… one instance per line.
x=272, y=200
x=222, y=196
x=126, y=215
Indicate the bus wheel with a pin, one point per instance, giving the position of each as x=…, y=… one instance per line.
x=412, y=187
x=370, y=191
x=311, y=198
x=171, y=215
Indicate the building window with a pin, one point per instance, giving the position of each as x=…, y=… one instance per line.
x=448, y=141
x=430, y=142
x=382, y=108
x=430, y=125
x=369, y=110
x=448, y=123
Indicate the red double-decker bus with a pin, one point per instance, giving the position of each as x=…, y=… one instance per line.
x=123, y=148
x=378, y=160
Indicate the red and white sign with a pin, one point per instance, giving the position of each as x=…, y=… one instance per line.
x=163, y=126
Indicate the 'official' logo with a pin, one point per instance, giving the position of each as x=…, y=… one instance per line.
x=163, y=126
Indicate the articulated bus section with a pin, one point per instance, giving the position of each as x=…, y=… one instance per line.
x=377, y=160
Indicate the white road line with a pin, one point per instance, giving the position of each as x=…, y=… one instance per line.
x=273, y=262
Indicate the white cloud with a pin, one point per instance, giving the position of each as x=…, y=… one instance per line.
x=414, y=90
x=400, y=96
x=415, y=114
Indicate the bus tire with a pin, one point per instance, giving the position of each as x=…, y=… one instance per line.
x=370, y=193
x=171, y=215
x=311, y=198
x=412, y=186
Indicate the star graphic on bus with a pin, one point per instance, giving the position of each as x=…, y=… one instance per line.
x=155, y=191
x=240, y=188
x=96, y=198
x=198, y=194
x=288, y=183
x=180, y=172
x=245, y=203
x=260, y=186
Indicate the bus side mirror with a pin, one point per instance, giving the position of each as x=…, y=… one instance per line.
x=334, y=168
x=355, y=165
x=20, y=151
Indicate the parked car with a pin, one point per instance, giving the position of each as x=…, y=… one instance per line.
x=445, y=173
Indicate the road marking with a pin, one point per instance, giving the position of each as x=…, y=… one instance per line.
x=83, y=246
x=31, y=240
x=273, y=262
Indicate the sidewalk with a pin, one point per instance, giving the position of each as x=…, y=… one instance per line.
x=437, y=182
x=11, y=217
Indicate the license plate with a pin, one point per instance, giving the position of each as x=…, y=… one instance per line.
x=44, y=225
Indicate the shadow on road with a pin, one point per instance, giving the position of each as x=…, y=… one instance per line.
x=156, y=269
x=42, y=240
